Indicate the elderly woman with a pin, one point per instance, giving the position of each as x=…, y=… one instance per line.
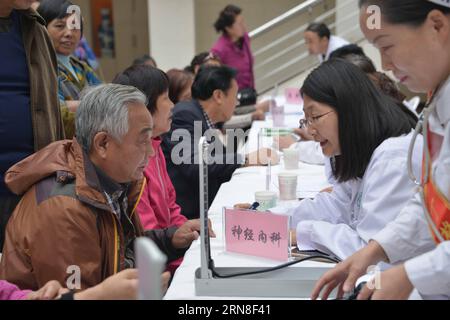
x=73, y=74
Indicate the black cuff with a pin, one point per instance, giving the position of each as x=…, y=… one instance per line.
x=68, y=296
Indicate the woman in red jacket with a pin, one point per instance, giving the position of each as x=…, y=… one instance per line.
x=157, y=208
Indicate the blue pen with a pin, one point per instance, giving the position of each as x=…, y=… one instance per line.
x=254, y=206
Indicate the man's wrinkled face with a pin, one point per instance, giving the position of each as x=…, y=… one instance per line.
x=126, y=160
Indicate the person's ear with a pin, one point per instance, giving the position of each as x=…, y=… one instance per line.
x=440, y=24
x=227, y=30
x=100, y=144
x=218, y=96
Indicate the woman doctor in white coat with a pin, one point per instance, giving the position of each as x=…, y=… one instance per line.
x=367, y=135
x=414, y=42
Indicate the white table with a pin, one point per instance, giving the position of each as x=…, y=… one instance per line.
x=240, y=189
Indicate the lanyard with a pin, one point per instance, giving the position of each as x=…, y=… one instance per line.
x=422, y=126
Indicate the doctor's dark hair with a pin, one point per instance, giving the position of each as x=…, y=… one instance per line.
x=149, y=80
x=408, y=12
x=320, y=28
x=55, y=9
x=211, y=78
x=382, y=81
x=227, y=17
x=350, y=49
x=366, y=116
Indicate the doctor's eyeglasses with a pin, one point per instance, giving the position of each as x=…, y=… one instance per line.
x=307, y=122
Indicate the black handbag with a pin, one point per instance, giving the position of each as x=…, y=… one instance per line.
x=247, y=97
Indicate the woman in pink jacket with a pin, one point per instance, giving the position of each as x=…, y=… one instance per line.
x=157, y=207
x=233, y=46
x=9, y=291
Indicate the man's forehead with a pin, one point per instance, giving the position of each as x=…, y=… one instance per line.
x=140, y=117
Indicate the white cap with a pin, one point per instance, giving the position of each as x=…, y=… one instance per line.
x=444, y=3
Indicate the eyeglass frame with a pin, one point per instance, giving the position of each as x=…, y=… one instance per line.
x=305, y=123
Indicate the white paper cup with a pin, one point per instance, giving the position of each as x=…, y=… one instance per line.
x=288, y=186
x=291, y=159
x=266, y=200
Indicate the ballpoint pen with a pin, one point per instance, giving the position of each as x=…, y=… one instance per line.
x=268, y=175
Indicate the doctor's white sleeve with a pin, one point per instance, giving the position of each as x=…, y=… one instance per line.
x=430, y=272
x=385, y=191
x=408, y=235
x=317, y=221
x=338, y=239
x=331, y=207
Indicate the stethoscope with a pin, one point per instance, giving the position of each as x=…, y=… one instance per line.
x=422, y=127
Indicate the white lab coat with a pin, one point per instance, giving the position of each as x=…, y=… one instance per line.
x=409, y=237
x=343, y=221
x=334, y=44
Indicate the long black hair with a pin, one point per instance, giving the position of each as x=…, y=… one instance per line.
x=366, y=116
x=151, y=81
x=382, y=81
x=408, y=12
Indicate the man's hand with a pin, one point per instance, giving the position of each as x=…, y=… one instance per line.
x=304, y=134
x=394, y=285
x=263, y=106
x=262, y=157
x=327, y=190
x=189, y=232
x=283, y=142
x=242, y=206
x=258, y=115
x=165, y=279
x=346, y=273
x=50, y=291
x=121, y=286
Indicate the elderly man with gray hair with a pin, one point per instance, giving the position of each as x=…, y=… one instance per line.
x=76, y=222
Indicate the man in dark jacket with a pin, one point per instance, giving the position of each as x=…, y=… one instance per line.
x=30, y=117
x=214, y=94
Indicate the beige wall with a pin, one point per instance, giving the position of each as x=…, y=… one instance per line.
x=256, y=13
x=172, y=32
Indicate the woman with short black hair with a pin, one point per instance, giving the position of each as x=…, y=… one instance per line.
x=367, y=136
x=73, y=75
x=180, y=83
x=157, y=207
